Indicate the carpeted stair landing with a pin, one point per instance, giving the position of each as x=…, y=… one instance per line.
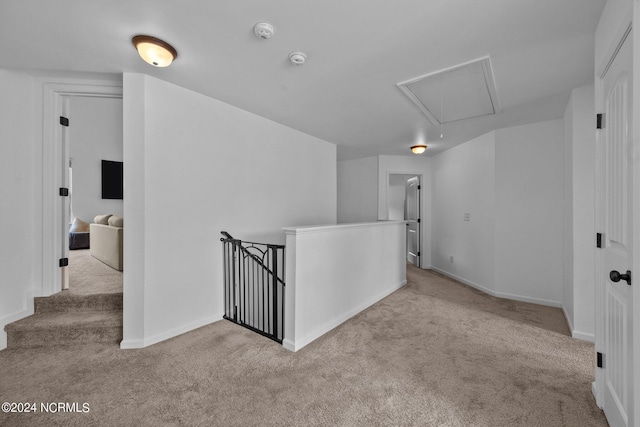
x=68, y=318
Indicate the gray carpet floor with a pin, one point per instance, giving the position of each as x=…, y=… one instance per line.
x=88, y=276
x=434, y=353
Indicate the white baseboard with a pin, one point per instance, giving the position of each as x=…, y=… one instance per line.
x=25, y=311
x=465, y=281
x=532, y=300
x=584, y=336
x=131, y=344
x=288, y=344
x=496, y=294
x=297, y=344
x=165, y=335
x=594, y=391
x=567, y=319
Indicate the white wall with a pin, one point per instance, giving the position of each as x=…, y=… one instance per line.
x=95, y=134
x=396, y=195
x=18, y=230
x=358, y=190
x=510, y=182
x=578, y=298
x=567, y=258
x=195, y=166
x=464, y=182
x=26, y=152
x=333, y=273
x=529, y=212
x=363, y=186
x=408, y=165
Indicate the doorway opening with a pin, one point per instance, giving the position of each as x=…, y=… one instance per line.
x=66, y=317
x=58, y=130
x=404, y=203
x=93, y=137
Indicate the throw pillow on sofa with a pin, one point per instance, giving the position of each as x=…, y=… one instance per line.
x=79, y=226
x=116, y=221
x=102, y=219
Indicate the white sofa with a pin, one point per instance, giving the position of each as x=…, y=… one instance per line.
x=106, y=240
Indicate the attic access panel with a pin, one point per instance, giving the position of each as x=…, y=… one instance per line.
x=457, y=93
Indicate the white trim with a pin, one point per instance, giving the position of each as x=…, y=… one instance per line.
x=635, y=263
x=423, y=211
x=27, y=310
x=522, y=298
x=53, y=96
x=489, y=79
x=171, y=333
x=598, y=259
x=288, y=344
x=594, y=391
x=612, y=50
x=532, y=300
x=334, y=227
x=297, y=344
x=131, y=344
x=464, y=281
x=568, y=319
x=583, y=336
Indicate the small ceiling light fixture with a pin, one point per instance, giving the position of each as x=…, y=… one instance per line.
x=297, y=57
x=154, y=51
x=263, y=30
x=419, y=149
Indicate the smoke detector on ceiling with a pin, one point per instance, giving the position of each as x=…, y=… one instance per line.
x=297, y=57
x=263, y=30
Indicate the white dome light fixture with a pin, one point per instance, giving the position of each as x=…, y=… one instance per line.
x=419, y=149
x=263, y=30
x=297, y=57
x=154, y=51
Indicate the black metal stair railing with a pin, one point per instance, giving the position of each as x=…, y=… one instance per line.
x=254, y=285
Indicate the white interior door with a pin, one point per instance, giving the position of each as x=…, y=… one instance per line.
x=615, y=200
x=412, y=216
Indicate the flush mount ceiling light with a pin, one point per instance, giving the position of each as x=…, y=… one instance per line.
x=297, y=57
x=263, y=30
x=154, y=51
x=419, y=149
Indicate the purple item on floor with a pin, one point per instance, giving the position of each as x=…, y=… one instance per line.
x=78, y=240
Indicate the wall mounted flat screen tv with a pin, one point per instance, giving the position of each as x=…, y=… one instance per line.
x=112, y=180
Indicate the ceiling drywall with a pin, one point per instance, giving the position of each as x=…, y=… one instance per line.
x=358, y=50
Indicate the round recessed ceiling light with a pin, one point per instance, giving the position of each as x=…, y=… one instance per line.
x=297, y=57
x=154, y=51
x=263, y=30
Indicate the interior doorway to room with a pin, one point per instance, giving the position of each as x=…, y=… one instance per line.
x=91, y=134
x=404, y=201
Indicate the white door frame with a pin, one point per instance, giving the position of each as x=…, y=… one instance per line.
x=53, y=173
x=420, y=176
x=418, y=219
x=636, y=219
